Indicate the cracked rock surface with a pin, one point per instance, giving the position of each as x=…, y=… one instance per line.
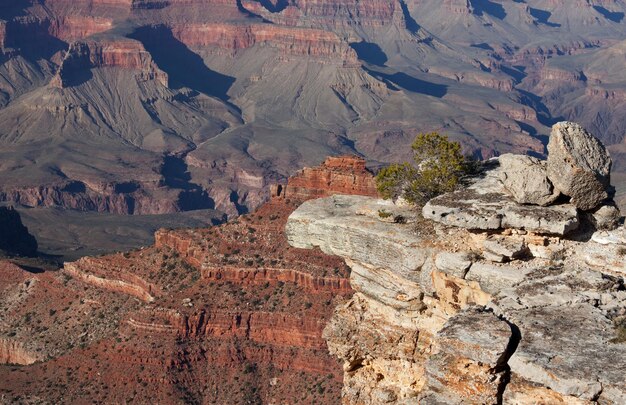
x=436, y=321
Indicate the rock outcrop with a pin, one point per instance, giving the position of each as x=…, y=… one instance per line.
x=336, y=175
x=578, y=165
x=521, y=192
x=123, y=53
x=14, y=236
x=484, y=301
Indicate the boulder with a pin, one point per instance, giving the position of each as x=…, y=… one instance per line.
x=605, y=218
x=578, y=165
x=526, y=179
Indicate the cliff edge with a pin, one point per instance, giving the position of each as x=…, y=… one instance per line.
x=508, y=291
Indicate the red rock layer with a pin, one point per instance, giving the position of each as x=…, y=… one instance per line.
x=337, y=175
x=291, y=41
x=122, y=53
x=260, y=276
x=229, y=314
x=75, y=27
x=331, y=13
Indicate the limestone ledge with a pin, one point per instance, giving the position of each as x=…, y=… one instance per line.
x=455, y=315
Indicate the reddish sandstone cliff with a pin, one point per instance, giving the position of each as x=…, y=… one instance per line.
x=123, y=53
x=230, y=314
x=337, y=175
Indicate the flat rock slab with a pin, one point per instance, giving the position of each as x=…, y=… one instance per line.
x=494, y=278
x=351, y=227
x=480, y=208
x=567, y=333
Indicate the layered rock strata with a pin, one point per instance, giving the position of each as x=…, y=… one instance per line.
x=336, y=175
x=230, y=314
x=485, y=302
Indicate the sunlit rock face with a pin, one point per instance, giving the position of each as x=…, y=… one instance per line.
x=474, y=301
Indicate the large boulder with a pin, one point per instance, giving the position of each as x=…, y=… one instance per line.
x=579, y=165
x=526, y=179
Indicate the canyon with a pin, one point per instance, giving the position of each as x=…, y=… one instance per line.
x=229, y=313
x=157, y=107
x=329, y=294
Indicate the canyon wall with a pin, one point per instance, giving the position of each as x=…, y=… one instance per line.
x=14, y=236
x=224, y=314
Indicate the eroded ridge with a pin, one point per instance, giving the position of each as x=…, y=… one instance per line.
x=230, y=313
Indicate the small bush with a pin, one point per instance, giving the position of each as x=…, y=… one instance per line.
x=437, y=167
x=384, y=214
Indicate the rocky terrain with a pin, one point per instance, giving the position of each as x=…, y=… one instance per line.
x=508, y=291
x=227, y=314
x=156, y=107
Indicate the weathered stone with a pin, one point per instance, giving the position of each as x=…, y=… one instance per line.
x=494, y=257
x=454, y=264
x=614, y=237
x=411, y=336
x=383, y=285
x=557, y=219
x=566, y=333
x=521, y=392
x=485, y=205
x=478, y=335
x=579, y=165
x=606, y=218
x=470, y=349
x=494, y=278
x=454, y=294
x=341, y=225
x=526, y=179
x=506, y=247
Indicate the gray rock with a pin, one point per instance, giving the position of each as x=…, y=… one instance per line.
x=606, y=218
x=478, y=335
x=472, y=210
x=494, y=278
x=566, y=333
x=579, y=165
x=465, y=367
x=506, y=247
x=349, y=227
x=383, y=285
x=454, y=264
x=556, y=219
x=486, y=205
x=526, y=179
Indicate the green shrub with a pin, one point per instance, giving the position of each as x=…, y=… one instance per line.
x=437, y=167
x=384, y=214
